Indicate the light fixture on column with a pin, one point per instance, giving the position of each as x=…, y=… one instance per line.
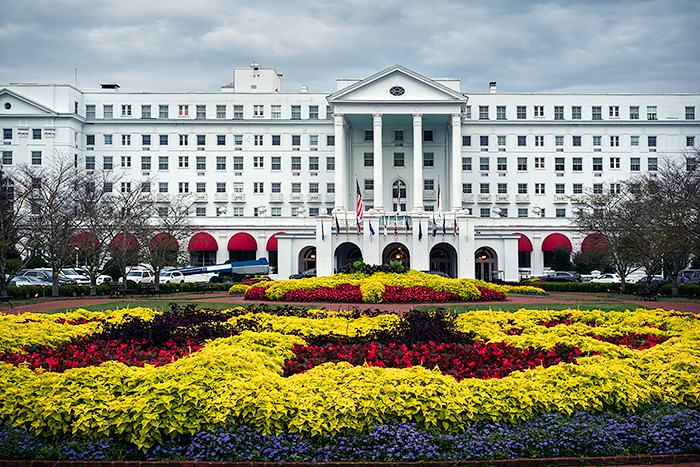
x=537, y=210
x=262, y=210
x=220, y=210
x=497, y=211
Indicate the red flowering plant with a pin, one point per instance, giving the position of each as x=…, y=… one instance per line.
x=393, y=294
x=342, y=293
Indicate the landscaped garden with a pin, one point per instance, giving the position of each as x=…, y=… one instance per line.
x=292, y=384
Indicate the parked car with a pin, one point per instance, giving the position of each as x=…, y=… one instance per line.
x=103, y=278
x=654, y=280
x=140, y=276
x=437, y=273
x=19, y=281
x=305, y=274
x=174, y=277
x=561, y=276
x=47, y=275
x=689, y=276
x=608, y=279
x=78, y=277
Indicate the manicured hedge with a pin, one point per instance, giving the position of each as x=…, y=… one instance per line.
x=688, y=290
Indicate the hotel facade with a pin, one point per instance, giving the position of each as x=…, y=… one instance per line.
x=476, y=184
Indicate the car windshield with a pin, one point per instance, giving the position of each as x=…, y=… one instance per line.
x=69, y=272
x=134, y=273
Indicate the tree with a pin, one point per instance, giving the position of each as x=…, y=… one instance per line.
x=13, y=216
x=560, y=259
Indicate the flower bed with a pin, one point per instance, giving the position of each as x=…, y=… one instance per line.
x=237, y=377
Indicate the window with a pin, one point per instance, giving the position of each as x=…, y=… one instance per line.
x=484, y=164
x=428, y=184
x=237, y=140
x=597, y=164
x=634, y=164
x=237, y=162
x=313, y=163
x=90, y=111
x=690, y=141
x=276, y=163
x=330, y=163
x=330, y=140
x=163, y=111
x=576, y=141
x=201, y=163
x=501, y=139
x=691, y=163
x=558, y=112
x=483, y=112
x=522, y=212
x=145, y=162
x=559, y=141
x=108, y=140
x=275, y=140
x=614, y=162
x=560, y=212
x=597, y=140
x=296, y=187
x=258, y=187
x=484, y=141
x=238, y=112
x=597, y=112
x=690, y=113
x=163, y=140
x=201, y=111
x=36, y=133
x=559, y=189
x=539, y=162
x=276, y=212
x=296, y=112
x=162, y=162
x=313, y=112
x=145, y=187
x=108, y=111
x=398, y=159
x=258, y=140
x=651, y=112
x=539, y=141
x=126, y=161
x=634, y=112
x=36, y=157
x=162, y=187
x=276, y=112
x=484, y=188
x=598, y=188
x=369, y=184
x=428, y=159
x=183, y=110
x=466, y=140
x=577, y=165
x=89, y=162
x=313, y=212
x=201, y=187
x=296, y=163
x=653, y=164
x=276, y=187
x=522, y=163
x=634, y=140
x=522, y=141
x=220, y=162
x=521, y=112
x=220, y=111
x=539, y=110
x=559, y=164
x=467, y=164
x=467, y=188
x=221, y=140
x=296, y=140
x=183, y=161
x=313, y=140
x=201, y=140
x=539, y=188
x=126, y=187
x=576, y=112
x=502, y=188
x=615, y=141
x=313, y=187
x=184, y=140
x=522, y=188
x=146, y=140
x=500, y=112
x=238, y=187
x=7, y=133
x=330, y=187
x=369, y=135
x=614, y=111
x=108, y=162
x=502, y=163
x=258, y=111
x=201, y=211
x=89, y=140
x=427, y=135
x=485, y=212
x=108, y=187
x=651, y=141
x=615, y=188
x=145, y=111
x=578, y=188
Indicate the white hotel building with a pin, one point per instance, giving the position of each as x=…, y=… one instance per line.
x=273, y=173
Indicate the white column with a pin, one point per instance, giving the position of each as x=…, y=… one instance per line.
x=378, y=163
x=456, y=192
x=417, y=161
x=341, y=164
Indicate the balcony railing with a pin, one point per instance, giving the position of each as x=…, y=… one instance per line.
x=276, y=197
x=523, y=198
x=296, y=198
x=467, y=197
x=330, y=197
x=484, y=198
x=221, y=197
x=200, y=198
x=313, y=198
x=429, y=194
x=503, y=198
x=561, y=199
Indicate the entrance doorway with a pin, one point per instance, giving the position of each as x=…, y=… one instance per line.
x=307, y=258
x=346, y=253
x=443, y=257
x=396, y=252
x=485, y=262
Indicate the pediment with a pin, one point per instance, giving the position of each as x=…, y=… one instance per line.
x=407, y=87
x=21, y=106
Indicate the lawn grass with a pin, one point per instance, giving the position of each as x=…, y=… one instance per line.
x=513, y=307
x=157, y=305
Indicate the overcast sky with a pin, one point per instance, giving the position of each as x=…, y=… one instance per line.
x=526, y=46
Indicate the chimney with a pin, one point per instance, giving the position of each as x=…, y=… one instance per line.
x=492, y=87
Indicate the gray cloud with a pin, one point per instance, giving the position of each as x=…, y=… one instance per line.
x=527, y=46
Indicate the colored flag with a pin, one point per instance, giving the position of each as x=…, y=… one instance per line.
x=396, y=225
x=455, y=225
x=323, y=233
x=347, y=224
x=384, y=226
x=337, y=226
x=371, y=230
x=434, y=226
x=398, y=205
x=359, y=209
x=359, y=227
x=443, y=226
x=420, y=232
x=439, y=206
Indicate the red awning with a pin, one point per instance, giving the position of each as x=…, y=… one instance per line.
x=165, y=241
x=594, y=241
x=85, y=241
x=524, y=243
x=124, y=240
x=272, y=242
x=203, y=242
x=554, y=240
x=242, y=242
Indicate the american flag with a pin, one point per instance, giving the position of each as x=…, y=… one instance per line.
x=360, y=208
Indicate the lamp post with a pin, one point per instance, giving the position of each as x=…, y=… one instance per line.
x=76, y=256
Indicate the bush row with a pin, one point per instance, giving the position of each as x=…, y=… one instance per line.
x=664, y=289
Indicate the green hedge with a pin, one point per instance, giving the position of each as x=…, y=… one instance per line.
x=688, y=290
x=31, y=291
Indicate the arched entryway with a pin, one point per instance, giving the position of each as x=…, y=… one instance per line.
x=242, y=247
x=307, y=258
x=271, y=248
x=550, y=243
x=443, y=257
x=202, y=248
x=485, y=262
x=398, y=195
x=346, y=253
x=524, y=251
x=396, y=252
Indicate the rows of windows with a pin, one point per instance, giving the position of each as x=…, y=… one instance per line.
x=596, y=141
x=575, y=112
x=238, y=187
x=576, y=164
x=214, y=140
x=538, y=188
x=148, y=162
x=218, y=111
